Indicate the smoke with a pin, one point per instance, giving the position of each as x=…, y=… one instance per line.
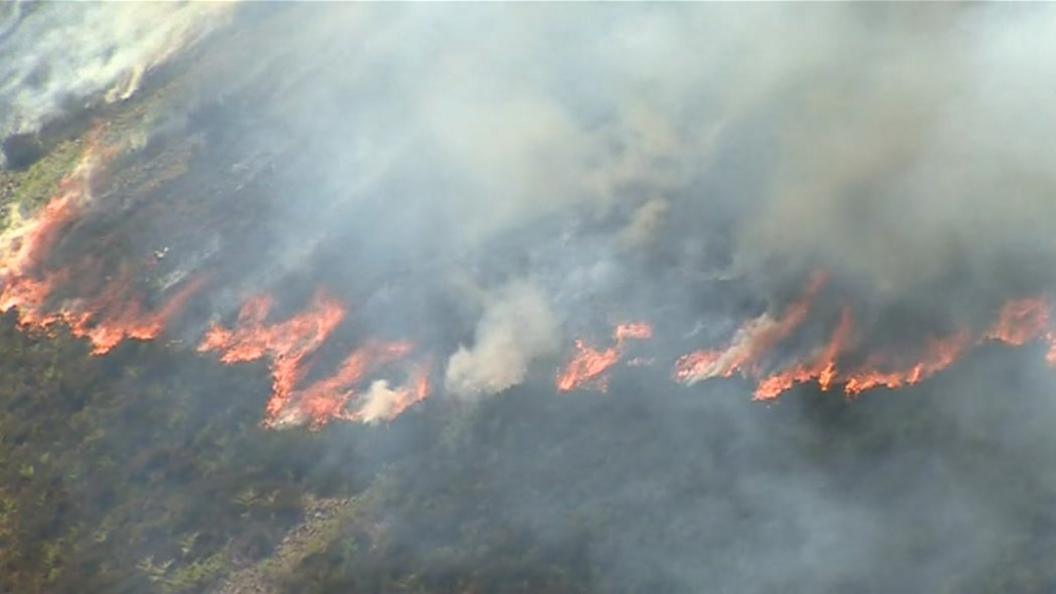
x=59, y=58
x=517, y=328
x=689, y=166
x=646, y=223
x=915, y=159
x=380, y=401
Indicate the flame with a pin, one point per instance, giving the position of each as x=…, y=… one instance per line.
x=288, y=344
x=1025, y=320
x=25, y=248
x=108, y=321
x=113, y=310
x=1021, y=321
x=938, y=355
x=106, y=318
x=328, y=398
x=33, y=242
x=823, y=368
x=633, y=330
x=382, y=403
x=588, y=366
x=1018, y=322
x=752, y=341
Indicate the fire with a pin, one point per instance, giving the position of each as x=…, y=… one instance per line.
x=27, y=283
x=1018, y=322
x=328, y=398
x=1024, y=320
x=695, y=366
x=939, y=353
x=751, y=342
x=112, y=307
x=633, y=330
x=588, y=366
x=382, y=403
x=822, y=369
x=109, y=321
x=289, y=345
x=1021, y=321
x=115, y=312
x=33, y=242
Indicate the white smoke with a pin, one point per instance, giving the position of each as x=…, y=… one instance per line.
x=59, y=55
x=517, y=327
x=380, y=402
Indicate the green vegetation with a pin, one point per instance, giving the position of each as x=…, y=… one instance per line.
x=95, y=466
x=146, y=471
x=31, y=188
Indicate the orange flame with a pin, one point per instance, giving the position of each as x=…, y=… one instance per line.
x=1018, y=322
x=115, y=313
x=588, y=366
x=751, y=342
x=1021, y=321
x=633, y=330
x=288, y=344
x=1024, y=320
x=822, y=369
x=327, y=399
x=383, y=404
x=26, y=284
x=107, y=321
x=938, y=355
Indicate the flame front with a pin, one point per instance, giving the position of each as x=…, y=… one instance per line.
x=1018, y=322
x=329, y=398
x=751, y=342
x=287, y=344
x=289, y=347
x=1024, y=320
x=107, y=317
x=110, y=308
x=382, y=403
x=588, y=366
x=939, y=353
x=822, y=369
x=1021, y=321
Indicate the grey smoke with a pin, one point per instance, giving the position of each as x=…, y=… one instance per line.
x=684, y=164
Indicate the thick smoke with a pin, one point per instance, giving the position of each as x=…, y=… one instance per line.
x=914, y=158
x=687, y=165
x=595, y=144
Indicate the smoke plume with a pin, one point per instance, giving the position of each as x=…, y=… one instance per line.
x=687, y=206
x=517, y=328
x=59, y=58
